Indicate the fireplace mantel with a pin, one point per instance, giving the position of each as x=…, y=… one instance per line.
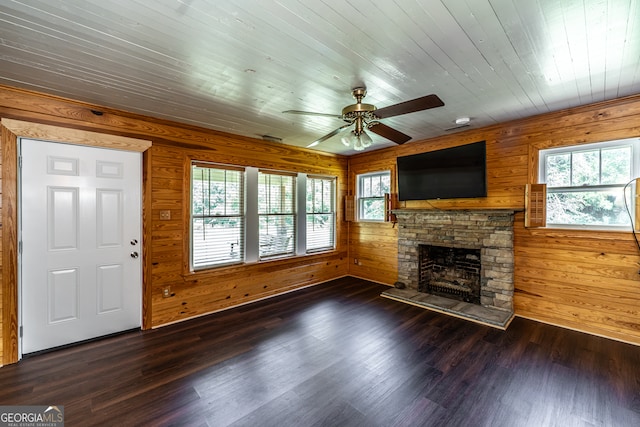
x=489, y=230
x=431, y=211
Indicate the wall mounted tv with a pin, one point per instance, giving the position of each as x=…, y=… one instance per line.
x=451, y=173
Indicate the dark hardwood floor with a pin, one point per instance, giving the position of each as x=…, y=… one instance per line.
x=336, y=354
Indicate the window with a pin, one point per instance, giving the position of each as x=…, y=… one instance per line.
x=585, y=184
x=276, y=213
x=246, y=215
x=371, y=190
x=321, y=215
x=217, y=216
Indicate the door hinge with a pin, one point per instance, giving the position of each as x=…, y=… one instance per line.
x=20, y=332
x=19, y=162
x=20, y=247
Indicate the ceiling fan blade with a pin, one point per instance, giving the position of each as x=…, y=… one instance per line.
x=388, y=132
x=329, y=135
x=418, y=104
x=310, y=113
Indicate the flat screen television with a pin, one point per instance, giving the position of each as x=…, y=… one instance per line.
x=451, y=173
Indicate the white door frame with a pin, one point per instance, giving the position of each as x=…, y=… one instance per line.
x=13, y=129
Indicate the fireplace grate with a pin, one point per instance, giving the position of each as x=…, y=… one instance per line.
x=450, y=288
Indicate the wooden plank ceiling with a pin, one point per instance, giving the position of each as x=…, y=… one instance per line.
x=235, y=66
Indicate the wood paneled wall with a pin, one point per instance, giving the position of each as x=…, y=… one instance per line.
x=165, y=170
x=578, y=279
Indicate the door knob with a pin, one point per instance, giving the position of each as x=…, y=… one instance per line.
x=134, y=254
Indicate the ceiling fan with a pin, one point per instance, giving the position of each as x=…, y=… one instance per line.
x=368, y=116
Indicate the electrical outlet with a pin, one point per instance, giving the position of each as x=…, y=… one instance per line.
x=165, y=215
x=166, y=292
x=355, y=261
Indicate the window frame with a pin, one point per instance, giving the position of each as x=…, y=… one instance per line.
x=632, y=142
x=251, y=232
x=285, y=210
x=360, y=199
x=332, y=212
x=242, y=216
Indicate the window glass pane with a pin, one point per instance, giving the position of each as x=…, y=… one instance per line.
x=384, y=185
x=605, y=208
x=217, y=216
x=276, y=193
x=616, y=165
x=372, y=209
x=558, y=169
x=320, y=231
x=276, y=235
x=217, y=241
x=366, y=186
x=585, y=168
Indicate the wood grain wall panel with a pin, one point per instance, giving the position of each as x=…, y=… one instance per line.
x=375, y=247
x=219, y=291
x=583, y=280
x=9, y=255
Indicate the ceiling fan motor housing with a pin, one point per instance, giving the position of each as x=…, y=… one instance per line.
x=359, y=111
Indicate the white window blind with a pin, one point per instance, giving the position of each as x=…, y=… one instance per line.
x=217, y=226
x=276, y=214
x=321, y=215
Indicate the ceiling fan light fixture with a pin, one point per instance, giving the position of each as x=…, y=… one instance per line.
x=366, y=140
x=357, y=144
x=359, y=141
x=346, y=140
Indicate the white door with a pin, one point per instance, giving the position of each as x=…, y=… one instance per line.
x=81, y=273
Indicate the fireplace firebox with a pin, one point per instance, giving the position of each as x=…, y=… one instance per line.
x=450, y=272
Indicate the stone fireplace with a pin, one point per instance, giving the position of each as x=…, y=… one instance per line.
x=465, y=256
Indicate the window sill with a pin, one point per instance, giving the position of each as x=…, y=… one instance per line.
x=569, y=232
x=625, y=229
x=241, y=267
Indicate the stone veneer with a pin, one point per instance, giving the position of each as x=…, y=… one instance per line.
x=491, y=231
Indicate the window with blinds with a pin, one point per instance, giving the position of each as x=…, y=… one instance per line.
x=321, y=215
x=217, y=216
x=276, y=214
